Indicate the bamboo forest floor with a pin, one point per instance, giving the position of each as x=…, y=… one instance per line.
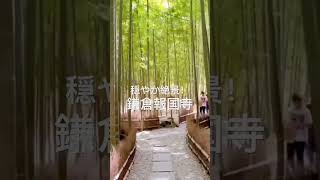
x=164, y=154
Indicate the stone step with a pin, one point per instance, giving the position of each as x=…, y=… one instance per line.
x=159, y=145
x=165, y=166
x=162, y=176
x=160, y=149
x=161, y=157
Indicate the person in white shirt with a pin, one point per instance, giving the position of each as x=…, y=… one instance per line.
x=203, y=103
x=298, y=123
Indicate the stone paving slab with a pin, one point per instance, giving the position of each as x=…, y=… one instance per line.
x=165, y=166
x=159, y=145
x=160, y=150
x=162, y=176
x=161, y=157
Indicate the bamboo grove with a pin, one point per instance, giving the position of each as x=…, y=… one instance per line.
x=61, y=39
x=159, y=43
x=262, y=45
x=270, y=48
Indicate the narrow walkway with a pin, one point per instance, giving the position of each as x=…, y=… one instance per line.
x=164, y=154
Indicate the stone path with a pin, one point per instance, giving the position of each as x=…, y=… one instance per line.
x=164, y=154
x=161, y=163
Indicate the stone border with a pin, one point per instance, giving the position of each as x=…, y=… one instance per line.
x=122, y=174
x=199, y=152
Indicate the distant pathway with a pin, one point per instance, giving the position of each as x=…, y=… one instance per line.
x=164, y=154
